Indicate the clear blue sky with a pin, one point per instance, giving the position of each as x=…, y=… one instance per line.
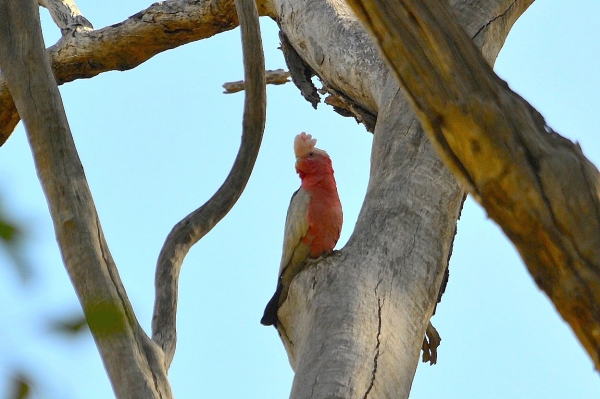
x=157, y=141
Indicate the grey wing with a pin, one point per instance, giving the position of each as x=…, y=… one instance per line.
x=296, y=225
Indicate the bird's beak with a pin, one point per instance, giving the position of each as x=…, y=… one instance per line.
x=298, y=164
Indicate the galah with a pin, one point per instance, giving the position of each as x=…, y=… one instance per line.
x=313, y=222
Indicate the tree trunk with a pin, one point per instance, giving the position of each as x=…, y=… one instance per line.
x=353, y=324
x=537, y=185
x=136, y=365
x=133, y=362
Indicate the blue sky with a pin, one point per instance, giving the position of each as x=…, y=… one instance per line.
x=158, y=140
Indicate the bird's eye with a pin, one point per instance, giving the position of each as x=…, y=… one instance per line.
x=311, y=154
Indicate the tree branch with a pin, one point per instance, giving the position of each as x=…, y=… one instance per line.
x=162, y=26
x=401, y=243
x=66, y=15
x=535, y=184
x=272, y=77
x=193, y=227
x=130, y=358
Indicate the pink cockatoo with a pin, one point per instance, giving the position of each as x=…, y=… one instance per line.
x=314, y=219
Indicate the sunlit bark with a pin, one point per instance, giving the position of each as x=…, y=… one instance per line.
x=537, y=185
x=354, y=323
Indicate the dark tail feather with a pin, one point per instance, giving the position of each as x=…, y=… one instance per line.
x=270, y=316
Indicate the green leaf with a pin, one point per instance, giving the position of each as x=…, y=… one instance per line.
x=71, y=326
x=11, y=239
x=20, y=387
x=7, y=231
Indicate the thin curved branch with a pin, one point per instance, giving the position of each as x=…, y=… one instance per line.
x=131, y=359
x=193, y=227
x=162, y=26
x=535, y=184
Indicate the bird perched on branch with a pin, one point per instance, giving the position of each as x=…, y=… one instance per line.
x=314, y=219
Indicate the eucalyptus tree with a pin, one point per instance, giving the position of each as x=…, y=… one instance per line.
x=418, y=75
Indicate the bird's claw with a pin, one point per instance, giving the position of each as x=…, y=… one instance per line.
x=310, y=261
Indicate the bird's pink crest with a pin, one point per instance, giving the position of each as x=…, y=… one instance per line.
x=304, y=143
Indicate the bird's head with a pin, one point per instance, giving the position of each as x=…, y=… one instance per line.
x=309, y=159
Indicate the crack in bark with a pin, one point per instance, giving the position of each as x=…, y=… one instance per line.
x=177, y=31
x=587, y=180
x=312, y=390
x=154, y=378
x=494, y=19
x=558, y=235
x=131, y=319
x=376, y=357
x=591, y=189
x=114, y=279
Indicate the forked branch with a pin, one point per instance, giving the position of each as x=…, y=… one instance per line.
x=535, y=184
x=193, y=227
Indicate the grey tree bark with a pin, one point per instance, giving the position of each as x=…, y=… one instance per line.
x=133, y=362
x=354, y=323
x=66, y=15
x=537, y=185
x=136, y=365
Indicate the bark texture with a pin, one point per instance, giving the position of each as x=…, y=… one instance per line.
x=535, y=184
x=353, y=324
x=136, y=365
x=276, y=77
x=197, y=224
x=160, y=27
x=66, y=15
x=133, y=362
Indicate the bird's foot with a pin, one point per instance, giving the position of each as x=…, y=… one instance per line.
x=310, y=262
